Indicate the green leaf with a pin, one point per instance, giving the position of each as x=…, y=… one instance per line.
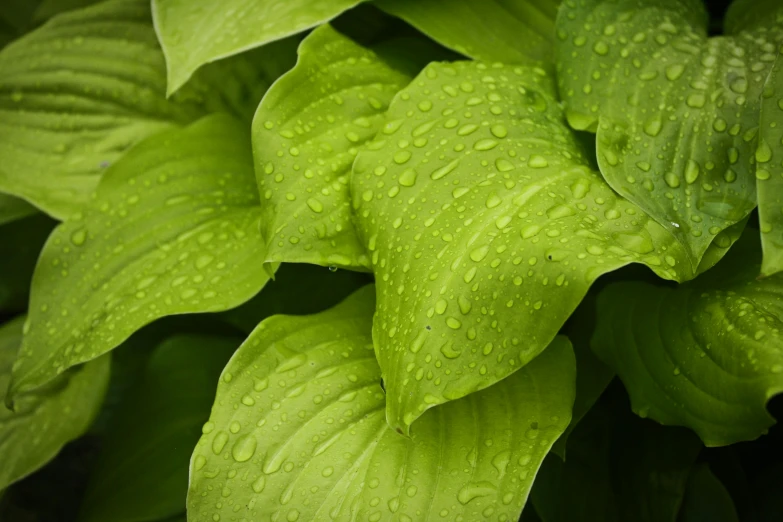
x=707, y=355
x=142, y=471
x=486, y=227
x=306, y=134
x=298, y=432
x=12, y=208
x=45, y=420
x=88, y=85
x=619, y=468
x=510, y=31
x=20, y=243
x=706, y=499
x=769, y=171
x=297, y=289
x=196, y=32
x=173, y=229
x=678, y=110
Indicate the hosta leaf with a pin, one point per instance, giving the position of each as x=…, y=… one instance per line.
x=142, y=471
x=619, y=468
x=486, y=227
x=20, y=244
x=306, y=134
x=769, y=171
x=173, y=229
x=706, y=355
x=511, y=31
x=45, y=420
x=297, y=289
x=196, y=32
x=298, y=432
x=82, y=89
x=678, y=110
x=706, y=499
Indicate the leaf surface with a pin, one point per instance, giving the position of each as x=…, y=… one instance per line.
x=142, y=471
x=298, y=432
x=13, y=208
x=45, y=420
x=707, y=355
x=510, y=31
x=78, y=92
x=196, y=32
x=769, y=171
x=306, y=134
x=486, y=227
x=678, y=110
x=173, y=229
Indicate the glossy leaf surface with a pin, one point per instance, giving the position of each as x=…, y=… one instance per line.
x=298, y=432
x=173, y=229
x=486, y=226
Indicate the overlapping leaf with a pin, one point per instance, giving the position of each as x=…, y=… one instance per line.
x=486, y=227
x=298, y=432
x=676, y=112
x=45, y=420
x=769, y=171
x=12, y=208
x=707, y=355
x=306, y=134
x=510, y=31
x=82, y=89
x=141, y=473
x=173, y=229
x=196, y=32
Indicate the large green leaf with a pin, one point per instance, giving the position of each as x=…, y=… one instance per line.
x=20, y=244
x=486, y=227
x=48, y=8
x=45, y=420
x=306, y=134
x=619, y=469
x=769, y=171
x=676, y=112
x=298, y=432
x=173, y=229
x=196, y=32
x=142, y=471
x=510, y=31
x=707, y=355
x=82, y=89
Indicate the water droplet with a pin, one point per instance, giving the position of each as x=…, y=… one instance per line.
x=244, y=448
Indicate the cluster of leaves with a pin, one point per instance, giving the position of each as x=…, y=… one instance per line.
x=337, y=259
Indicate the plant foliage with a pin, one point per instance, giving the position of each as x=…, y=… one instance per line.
x=337, y=260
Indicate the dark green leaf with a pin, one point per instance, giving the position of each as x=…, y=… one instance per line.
x=20, y=244
x=142, y=471
x=707, y=355
x=706, y=500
